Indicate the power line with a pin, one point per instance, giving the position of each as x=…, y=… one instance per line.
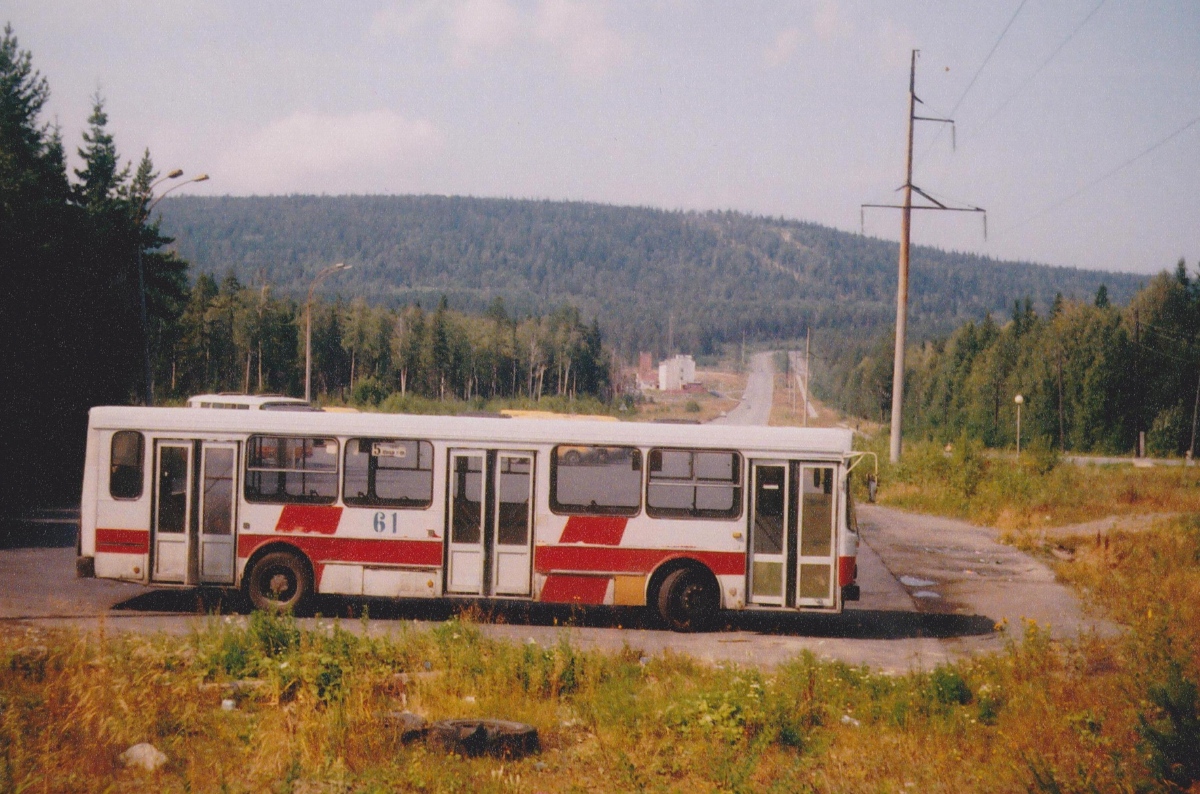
x=1105, y=176
x=1044, y=64
x=978, y=72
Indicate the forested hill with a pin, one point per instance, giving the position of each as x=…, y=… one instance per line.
x=718, y=274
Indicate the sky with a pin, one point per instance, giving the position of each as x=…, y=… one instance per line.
x=1077, y=121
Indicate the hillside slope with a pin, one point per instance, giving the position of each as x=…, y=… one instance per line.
x=718, y=274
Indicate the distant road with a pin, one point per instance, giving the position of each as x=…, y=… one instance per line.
x=755, y=407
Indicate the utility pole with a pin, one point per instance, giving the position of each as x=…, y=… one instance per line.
x=905, y=228
x=1191, y=455
x=807, y=359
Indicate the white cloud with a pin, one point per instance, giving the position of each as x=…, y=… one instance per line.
x=781, y=50
x=574, y=32
x=482, y=27
x=580, y=34
x=401, y=20
x=375, y=151
x=829, y=24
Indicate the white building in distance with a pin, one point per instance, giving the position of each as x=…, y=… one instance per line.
x=675, y=373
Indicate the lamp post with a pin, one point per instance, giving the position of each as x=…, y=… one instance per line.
x=308, y=326
x=147, y=369
x=1019, y=400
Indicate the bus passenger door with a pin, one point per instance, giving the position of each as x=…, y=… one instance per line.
x=465, y=534
x=512, y=550
x=770, y=517
x=816, y=584
x=218, y=512
x=172, y=510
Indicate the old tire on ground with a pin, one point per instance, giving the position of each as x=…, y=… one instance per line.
x=279, y=581
x=688, y=600
x=485, y=737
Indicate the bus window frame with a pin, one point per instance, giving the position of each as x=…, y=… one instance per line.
x=734, y=513
x=286, y=498
x=140, y=468
x=594, y=509
x=374, y=500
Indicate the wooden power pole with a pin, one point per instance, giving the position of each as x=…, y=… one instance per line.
x=905, y=227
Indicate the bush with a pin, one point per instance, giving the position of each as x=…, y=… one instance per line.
x=967, y=466
x=1167, y=433
x=368, y=391
x=1173, y=736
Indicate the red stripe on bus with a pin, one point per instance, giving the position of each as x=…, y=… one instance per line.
x=360, y=550
x=321, y=519
x=566, y=589
x=641, y=561
x=600, y=530
x=122, y=541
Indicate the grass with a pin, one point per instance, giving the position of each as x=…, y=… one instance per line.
x=1102, y=715
x=1034, y=493
x=310, y=704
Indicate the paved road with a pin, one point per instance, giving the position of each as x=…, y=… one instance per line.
x=933, y=590
x=755, y=407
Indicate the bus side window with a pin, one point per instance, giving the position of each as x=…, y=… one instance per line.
x=283, y=469
x=126, y=470
x=388, y=472
x=694, y=483
x=596, y=480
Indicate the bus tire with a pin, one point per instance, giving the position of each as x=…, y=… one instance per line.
x=279, y=581
x=688, y=599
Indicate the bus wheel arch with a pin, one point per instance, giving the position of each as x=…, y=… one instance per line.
x=279, y=577
x=685, y=593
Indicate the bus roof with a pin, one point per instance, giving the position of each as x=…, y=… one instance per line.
x=834, y=442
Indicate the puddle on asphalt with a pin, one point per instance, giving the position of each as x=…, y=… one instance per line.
x=913, y=581
x=925, y=594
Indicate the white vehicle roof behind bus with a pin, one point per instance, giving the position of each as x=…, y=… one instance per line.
x=474, y=431
x=250, y=401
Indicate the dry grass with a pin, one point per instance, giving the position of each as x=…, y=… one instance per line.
x=1116, y=714
x=1034, y=494
x=722, y=392
x=1038, y=717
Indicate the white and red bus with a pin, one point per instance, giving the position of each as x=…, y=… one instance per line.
x=685, y=519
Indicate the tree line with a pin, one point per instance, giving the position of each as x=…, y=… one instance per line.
x=1093, y=375
x=243, y=338
x=660, y=281
x=87, y=279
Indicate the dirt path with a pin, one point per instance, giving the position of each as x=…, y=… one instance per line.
x=951, y=567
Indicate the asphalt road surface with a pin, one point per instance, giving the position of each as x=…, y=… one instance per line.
x=755, y=407
x=933, y=591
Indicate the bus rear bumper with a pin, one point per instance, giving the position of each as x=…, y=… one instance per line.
x=850, y=592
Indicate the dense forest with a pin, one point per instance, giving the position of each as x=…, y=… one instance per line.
x=654, y=279
x=471, y=298
x=1092, y=375
x=233, y=337
x=76, y=249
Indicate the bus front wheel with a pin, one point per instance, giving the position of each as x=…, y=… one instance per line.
x=688, y=599
x=279, y=581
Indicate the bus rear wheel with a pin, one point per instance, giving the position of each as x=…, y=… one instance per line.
x=688, y=600
x=279, y=581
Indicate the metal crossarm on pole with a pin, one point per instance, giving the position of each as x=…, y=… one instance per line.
x=906, y=209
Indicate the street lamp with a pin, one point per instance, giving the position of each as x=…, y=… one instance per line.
x=308, y=330
x=1019, y=400
x=148, y=371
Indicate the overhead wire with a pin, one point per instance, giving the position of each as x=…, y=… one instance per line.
x=978, y=72
x=1043, y=64
x=1107, y=175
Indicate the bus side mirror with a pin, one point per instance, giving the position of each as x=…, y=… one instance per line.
x=872, y=488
